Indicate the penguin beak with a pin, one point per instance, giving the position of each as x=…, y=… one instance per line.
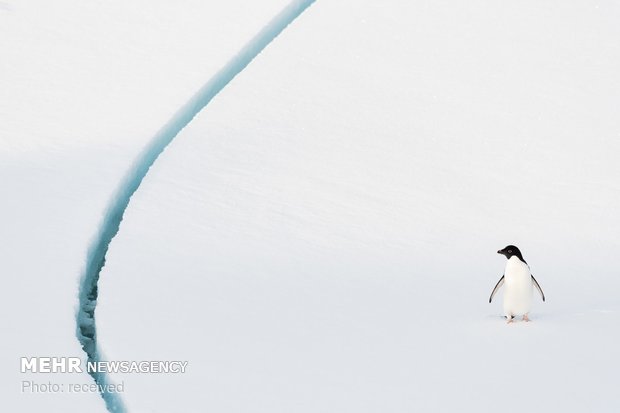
x=499, y=252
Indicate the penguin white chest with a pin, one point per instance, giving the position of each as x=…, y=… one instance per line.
x=517, y=288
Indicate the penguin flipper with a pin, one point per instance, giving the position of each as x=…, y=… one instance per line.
x=497, y=286
x=538, y=288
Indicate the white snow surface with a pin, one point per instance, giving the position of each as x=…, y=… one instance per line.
x=322, y=236
x=84, y=85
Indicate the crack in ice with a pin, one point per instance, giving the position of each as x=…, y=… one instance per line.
x=95, y=261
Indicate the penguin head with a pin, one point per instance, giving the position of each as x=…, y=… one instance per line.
x=511, y=251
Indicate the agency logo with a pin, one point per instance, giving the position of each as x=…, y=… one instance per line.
x=74, y=365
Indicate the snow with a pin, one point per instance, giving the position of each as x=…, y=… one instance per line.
x=322, y=236
x=85, y=86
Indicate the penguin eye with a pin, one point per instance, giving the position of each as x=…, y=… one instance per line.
x=509, y=251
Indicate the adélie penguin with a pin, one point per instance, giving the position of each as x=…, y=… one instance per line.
x=518, y=284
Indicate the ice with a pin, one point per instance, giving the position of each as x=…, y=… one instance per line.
x=85, y=85
x=322, y=236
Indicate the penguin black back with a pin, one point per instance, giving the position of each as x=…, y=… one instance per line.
x=512, y=251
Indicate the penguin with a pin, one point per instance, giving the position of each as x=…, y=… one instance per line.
x=519, y=284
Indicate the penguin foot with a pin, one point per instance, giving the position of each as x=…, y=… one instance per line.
x=525, y=317
x=510, y=320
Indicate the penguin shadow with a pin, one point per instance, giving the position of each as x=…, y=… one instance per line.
x=558, y=317
x=515, y=319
